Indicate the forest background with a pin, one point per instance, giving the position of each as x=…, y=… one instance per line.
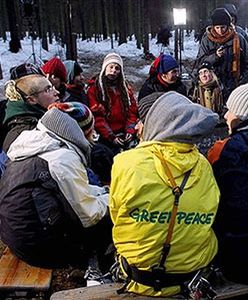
x=67, y=20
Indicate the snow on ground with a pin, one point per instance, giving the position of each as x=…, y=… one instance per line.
x=90, y=53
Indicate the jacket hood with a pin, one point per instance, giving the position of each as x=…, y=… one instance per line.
x=69, y=65
x=174, y=118
x=41, y=140
x=180, y=157
x=20, y=108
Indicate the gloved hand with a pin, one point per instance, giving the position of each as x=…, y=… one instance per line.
x=119, y=142
x=128, y=138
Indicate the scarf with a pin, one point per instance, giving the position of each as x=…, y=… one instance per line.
x=209, y=95
x=231, y=34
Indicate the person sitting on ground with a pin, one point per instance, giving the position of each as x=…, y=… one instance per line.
x=56, y=73
x=142, y=197
x=208, y=90
x=28, y=99
x=208, y=93
x=164, y=78
x=59, y=214
x=112, y=102
x=226, y=50
x=230, y=166
x=75, y=82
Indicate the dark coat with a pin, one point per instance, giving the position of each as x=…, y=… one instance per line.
x=37, y=223
x=19, y=116
x=223, y=66
x=76, y=94
x=152, y=84
x=231, y=173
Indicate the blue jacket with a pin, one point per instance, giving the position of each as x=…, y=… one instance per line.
x=3, y=159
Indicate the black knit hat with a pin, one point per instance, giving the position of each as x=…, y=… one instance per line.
x=205, y=65
x=77, y=69
x=146, y=103
x=231, y=8
x=221, y=16
x=24, y=70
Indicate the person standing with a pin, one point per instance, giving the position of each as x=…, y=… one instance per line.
x=164, y=77
x=226, y=50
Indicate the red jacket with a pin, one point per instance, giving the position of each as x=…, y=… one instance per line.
x=116, y=121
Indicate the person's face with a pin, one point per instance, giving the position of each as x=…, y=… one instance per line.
x=55, y=81
x=220, y=29
x=139, y=127
x=171, y=76
x=112, y=71
x=45, y=95
x=205, y=75
x=231, y=120
x=79, y=79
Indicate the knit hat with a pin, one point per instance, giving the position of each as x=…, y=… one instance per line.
x=174, y=118
x=145, y=104
x=237, y=102
x=112, y=58
x=221, y=16
x=55, y=67
x=79, y=112
x=72, y=69
x=66, y=127
x=205, y=65
x=77, y=69
x=24, y=70
x=231, y=8
x=167, y=63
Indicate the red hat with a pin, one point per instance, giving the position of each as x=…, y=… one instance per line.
x=55, y=67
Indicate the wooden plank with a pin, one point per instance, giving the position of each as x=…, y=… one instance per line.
x=108, y=292
x=16, y=274
x=101, y=292
x=230, y=290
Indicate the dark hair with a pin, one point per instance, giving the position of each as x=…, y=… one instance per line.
x=120, y=86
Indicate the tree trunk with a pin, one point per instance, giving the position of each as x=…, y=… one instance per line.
x=70, y=40
x=122, y=18
x=14, y=44
x=104, y=21
x=145, y=21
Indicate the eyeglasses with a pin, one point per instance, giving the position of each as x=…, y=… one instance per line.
x=49, y=89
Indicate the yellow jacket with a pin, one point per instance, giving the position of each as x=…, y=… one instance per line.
x=141, y=201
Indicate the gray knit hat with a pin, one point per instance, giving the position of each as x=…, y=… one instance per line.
x=237, y=102
x=174, y=118
x=66, y=127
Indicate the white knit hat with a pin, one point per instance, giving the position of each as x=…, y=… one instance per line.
x=237, y=102
x=112, y=58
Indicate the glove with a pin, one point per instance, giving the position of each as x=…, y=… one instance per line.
x=118, y=142
x=128, y=138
